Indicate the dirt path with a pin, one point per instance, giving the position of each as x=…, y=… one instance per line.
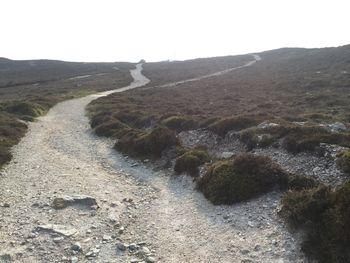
x=143, y=215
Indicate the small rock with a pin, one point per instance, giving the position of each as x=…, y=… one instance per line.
x=106, y=238
x=226, y=155
x=114, y=204
x=76, y=247
x=5, y=205
x=121, y=246
x=58, y=239
x=6, y=258
x=74, y=260
x=245, y=251
x=265, y=125
x=121, y=230
x=250, y=223
x=337, y=127
x=59, y=229
x=144, y=251
x=142, y=243
x=133, y=247
x=93, y=252
x=129, y=200
x=113, y=218
x=151, y=260
x=82, y=200
x=32, y=235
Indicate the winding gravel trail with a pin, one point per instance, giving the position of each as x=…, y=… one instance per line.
x=164, y=216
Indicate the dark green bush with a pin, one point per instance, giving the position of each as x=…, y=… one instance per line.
x=207, y=122
x=179, y=123
x=135, y=119
x=100, y=119
x=299, y=207
x=244, y=177
x=5, y=156
x=190, y=161
x=324, y=215
x=11, y=131
x=298, y=182
x=253, y=138
x=112, y=128
x=25, y=108
x=153, y=143
x=343, y=161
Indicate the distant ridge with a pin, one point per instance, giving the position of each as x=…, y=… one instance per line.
x=4, y=59
x=24, y=72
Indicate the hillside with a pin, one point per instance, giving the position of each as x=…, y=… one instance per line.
x=19, y=72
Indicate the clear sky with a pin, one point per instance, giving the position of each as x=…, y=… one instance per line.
x=128, y=30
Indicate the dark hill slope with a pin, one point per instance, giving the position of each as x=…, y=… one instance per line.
x=288, y=82
x=18, y=72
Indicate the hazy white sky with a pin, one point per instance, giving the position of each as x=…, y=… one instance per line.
x=128, y=30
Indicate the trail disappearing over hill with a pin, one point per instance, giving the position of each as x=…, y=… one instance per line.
x=160, y=218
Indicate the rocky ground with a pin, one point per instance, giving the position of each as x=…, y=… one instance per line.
x=320, y=165
x=67, y=196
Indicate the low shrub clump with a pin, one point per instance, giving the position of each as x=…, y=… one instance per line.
x=100, y=118
x=112, y=128
x=5, y=156
x=179, y=123
x=190, y=161
x=300, y=206
x=343, y=161
x=11, y=131
x=136, y=119
x=324, y=215
x=223, y=126
x=241, y=178
x=142, y=144
x=24, y=108
x=298, y=182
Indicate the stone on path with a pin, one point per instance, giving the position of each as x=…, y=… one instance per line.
x=78, y=200
x=59, y=229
